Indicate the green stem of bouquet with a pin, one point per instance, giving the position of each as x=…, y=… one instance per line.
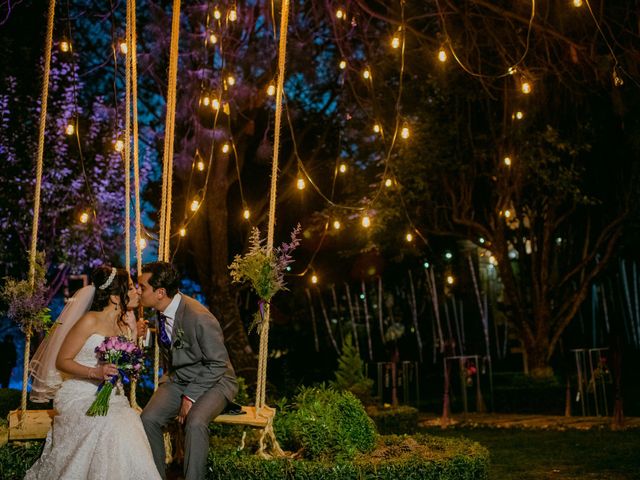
x=100, y=405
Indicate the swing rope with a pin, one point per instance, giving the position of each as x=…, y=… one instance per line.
x=132, y=89
x=36, y=199
x=268, y=432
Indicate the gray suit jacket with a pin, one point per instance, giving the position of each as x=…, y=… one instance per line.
x=198, y=358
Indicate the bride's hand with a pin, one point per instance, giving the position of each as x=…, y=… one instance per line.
x=103, y=372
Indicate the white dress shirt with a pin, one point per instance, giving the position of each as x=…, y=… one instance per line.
x=170, y=314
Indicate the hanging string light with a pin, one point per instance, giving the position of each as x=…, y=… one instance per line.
x=183, y=232
x=231, y=81
x=213, y=38
x=507, y=161
x=526, y=87
x=118, y=145
x=84, y=217
x=216, y=14
x=314, y=279
x=143, y=243
x=70, y=129
x=123, y=47
x=195, y=204
x=200, y=165
x=225, y=148
x=366, y=221
x=577, y=3
x=65, y=46
x=336, y=225
x=388, y=182
x=300, y=183
x=215, y=104
x=377, y=128
x=271, y=90
x=232, y=15
x=405, y=133
x=246, y=214
x=409, y=237
x=342, y=168
x=442, y=55
x=450, y=279
x=366, y=73
x=205, y=100
x=519, y=115
x=340, y=14
x=343, y=64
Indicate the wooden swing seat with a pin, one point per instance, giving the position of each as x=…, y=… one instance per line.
x=38, y=422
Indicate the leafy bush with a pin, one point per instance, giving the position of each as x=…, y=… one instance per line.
x=394, y=457
x=325, y=423
x=16, y=458
x=519, y=393
x=399, y=420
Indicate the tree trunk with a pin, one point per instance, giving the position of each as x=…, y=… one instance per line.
x=211, y=245
x=538, y=356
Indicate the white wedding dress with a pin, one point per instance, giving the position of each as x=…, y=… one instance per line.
x=79, y=447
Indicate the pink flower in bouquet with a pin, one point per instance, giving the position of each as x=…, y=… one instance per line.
x=127, y=357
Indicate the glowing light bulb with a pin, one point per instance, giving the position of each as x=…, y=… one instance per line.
x=70, y=130
x=340, y=15
x=206, y=100
x=246, y=214
x=405, y=133
x=123, y=48
x=215, y=104
x=388, y=182
x=183, y=232
x=526, y=87
x=409, y=237
x=225, y=148
x=119, y=145
x=366, y=221
x=448, y=255
x=200, y=165
x=314, y=279
x=213, y=39
x=271, y=90
x=342, y=168
x=195, y=205
x=481, y=240
x=232, y=16
x=216, y=14
x=492, y=260
x=300, y=183
x=343, y=64
x=507, y=214
x=84, y=217
x=376, y=128
x=65, y=46
x=519, y=115
x=366, y=74
x=143, y=243
x=577, y=3
x=395, y=42
x=507, y=161
x=512, y=70
x=442, y=55
x=231, y=80
x=450, y=279
x=336, y=224
x=425, y=264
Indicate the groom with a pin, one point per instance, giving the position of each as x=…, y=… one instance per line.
x=198, y=379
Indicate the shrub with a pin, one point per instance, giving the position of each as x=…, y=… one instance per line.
x=519, y=393
x=398, y=420
x=395, y=457
x=325, y=423
x=350, y=374
x=16, y=458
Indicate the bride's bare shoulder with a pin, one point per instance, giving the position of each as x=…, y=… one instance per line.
x=88, y=321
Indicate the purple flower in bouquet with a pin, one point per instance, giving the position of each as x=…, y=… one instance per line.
x=127, y=357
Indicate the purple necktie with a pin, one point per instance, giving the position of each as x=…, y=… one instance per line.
x=164, y=339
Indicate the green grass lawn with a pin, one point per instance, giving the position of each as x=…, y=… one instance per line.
x=528, y=455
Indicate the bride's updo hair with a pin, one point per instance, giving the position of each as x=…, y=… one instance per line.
x=118, y=286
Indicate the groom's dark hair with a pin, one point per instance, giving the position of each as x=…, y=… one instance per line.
x=163, y=275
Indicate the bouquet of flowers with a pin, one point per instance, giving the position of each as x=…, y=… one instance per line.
x=264, y=270
x=125, y=355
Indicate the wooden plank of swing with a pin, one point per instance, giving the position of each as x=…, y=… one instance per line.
x=250, y=417
x=35, y=426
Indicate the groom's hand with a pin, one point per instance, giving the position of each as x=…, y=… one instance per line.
x=185, y=406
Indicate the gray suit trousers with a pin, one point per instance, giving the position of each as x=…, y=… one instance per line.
x=164, y=407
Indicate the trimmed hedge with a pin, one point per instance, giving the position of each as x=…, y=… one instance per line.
x=519, y=393
x=389, y=421
x=395, y=457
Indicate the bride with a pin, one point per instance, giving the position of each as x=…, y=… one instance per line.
x=65, y=368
